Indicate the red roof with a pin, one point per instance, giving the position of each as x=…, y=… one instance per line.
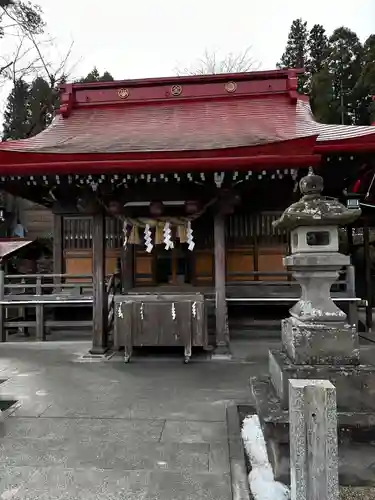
x=217, y=121
x=169, y=126
x=331, y=138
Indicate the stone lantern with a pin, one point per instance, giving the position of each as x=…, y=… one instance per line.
x=317, y=331
x=317, y=344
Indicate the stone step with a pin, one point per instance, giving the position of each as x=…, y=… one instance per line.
x=354, y=383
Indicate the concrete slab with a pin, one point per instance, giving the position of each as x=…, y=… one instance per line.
x=131, y=455
x=86, y=429
x=92, y=484
x=143, y=431
x=208, y=411
x=219, y=458
x=194, y=432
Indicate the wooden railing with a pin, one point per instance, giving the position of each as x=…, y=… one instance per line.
x=46, y=284
x=37, y=291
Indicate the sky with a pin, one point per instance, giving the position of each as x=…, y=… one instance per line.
x=146, y=38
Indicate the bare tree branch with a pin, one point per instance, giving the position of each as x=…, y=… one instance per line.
x=32, y=48
x=4, y=68
x=210, y=63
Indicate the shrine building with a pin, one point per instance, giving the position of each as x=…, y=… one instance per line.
x=173, y=184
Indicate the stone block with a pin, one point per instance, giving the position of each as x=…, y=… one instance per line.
x=356, y=437
x=356, y=463
x=355, y=385
x=314, y=343
x=321, y=260
x=313, y=443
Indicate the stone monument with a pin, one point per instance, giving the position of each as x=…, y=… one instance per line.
x=316, y=340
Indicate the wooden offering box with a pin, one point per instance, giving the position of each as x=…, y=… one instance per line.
x=160, y=319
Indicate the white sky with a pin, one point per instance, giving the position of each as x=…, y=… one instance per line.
x=143, y=38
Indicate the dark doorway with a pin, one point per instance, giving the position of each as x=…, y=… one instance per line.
x=173, y=266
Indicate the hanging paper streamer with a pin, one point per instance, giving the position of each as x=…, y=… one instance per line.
x=167, y=236
x=194, y=309
x=189, y=235
x=148, y=239
x=141, y=313
x=125, y=231
x=119, y=312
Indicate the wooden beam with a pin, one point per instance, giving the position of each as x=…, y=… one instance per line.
x=100, y=307
x=222, y=331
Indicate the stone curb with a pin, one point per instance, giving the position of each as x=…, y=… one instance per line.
x=238, y=472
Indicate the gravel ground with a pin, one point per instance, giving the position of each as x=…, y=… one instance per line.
x=349, y=493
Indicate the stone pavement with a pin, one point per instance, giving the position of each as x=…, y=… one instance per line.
x=147, y=430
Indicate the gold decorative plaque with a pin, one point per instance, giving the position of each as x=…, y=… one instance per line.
x=123, y=93
x=231, y=86
x=176, y=90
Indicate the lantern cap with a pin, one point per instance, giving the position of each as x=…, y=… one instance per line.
x=314, y=209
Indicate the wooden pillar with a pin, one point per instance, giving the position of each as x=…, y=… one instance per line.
x=57, y=248
x=127, y=268
x=222, y=331
x=39, y=312
x=3, y=331
x=313, y=440
x=100, y=306
x=368, y=277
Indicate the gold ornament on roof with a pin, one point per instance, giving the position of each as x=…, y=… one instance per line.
x=231, y=87
x=176, y=90
x=123, y=93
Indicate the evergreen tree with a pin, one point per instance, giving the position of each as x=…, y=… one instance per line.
x=94, y=76
x=322, y=96
x=5, y=3
x=295, y=54
x=42, y=102
x=344, y=66
x=365, y=86
x=31, y=107
x=317, y=46
x=17, y=113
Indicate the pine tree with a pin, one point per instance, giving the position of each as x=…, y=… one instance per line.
x=317, y=45
x=6, y=3
x=94, y=76
x=318, y=80
x=295, y=54
x=106, y=77
x=17, y=113
x=344, y=66
x=321, y=96
x=365, y=86
x=42, y=105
